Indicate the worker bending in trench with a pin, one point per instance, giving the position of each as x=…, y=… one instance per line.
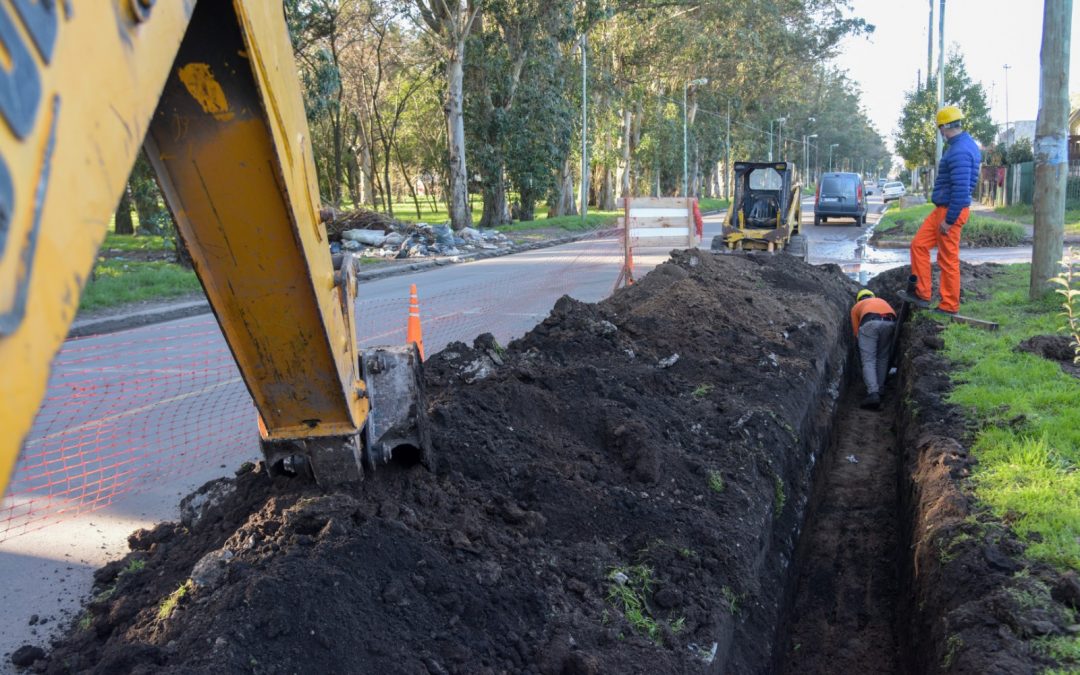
x=873, y=321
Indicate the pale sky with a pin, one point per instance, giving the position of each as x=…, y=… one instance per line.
x=989, y=33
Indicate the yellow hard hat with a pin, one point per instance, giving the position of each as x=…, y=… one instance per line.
x=863, y=294
x=949, y=114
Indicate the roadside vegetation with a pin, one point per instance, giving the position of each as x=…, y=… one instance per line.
x=120, y=282
x=979, y=231
x=135, y=268
x=1027, y=412
x=1025, y=213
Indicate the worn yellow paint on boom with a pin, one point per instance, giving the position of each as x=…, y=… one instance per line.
x=200, y=83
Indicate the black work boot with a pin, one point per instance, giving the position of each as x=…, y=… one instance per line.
x=872, y=401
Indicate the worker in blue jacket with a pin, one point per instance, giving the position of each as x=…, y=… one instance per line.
x=957, y=176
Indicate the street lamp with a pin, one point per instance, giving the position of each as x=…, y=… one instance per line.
x=1006, y=67
x=806, y=152
x=831, y=146
x=692, y=83
x=780, y=136
x=781, y=120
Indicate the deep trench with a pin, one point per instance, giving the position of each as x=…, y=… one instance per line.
x=845, y=615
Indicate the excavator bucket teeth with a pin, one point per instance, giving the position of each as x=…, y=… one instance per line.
x=397, y=422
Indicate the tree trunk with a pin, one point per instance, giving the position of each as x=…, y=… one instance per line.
x=386, y=181
x=564, y=202
x=455, y=123
x=352, y=177
x=124, y=225
x=607, y=191
x=627, y=137
x=1051, y=147
x=527, y=212
x=409, y=183
x=367, y=164
x=496, y=209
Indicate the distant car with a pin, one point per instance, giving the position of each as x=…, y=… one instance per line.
x=870, y=187
x=893, y=190
x=840, y=195
x=881, y=182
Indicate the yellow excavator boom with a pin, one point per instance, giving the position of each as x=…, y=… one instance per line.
x=212, y=88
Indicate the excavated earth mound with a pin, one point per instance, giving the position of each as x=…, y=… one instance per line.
x=619, y=491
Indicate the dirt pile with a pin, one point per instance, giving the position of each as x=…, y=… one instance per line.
x=621, y=490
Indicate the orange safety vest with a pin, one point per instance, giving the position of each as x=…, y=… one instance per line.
x=869, y=306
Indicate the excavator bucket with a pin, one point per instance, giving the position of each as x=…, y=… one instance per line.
x=396, y=426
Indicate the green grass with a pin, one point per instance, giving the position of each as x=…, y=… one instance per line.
x=173, y=599
x=1025, y=213
x=979, y=231
x=131, y=242
x=593, y=220
x=117, y=282
x=407, y=211
x=701, y=391
x=713, y=204
x=1027, y=411
x=911, y=217
x=988, y=232
x=716, y=481
x=1064, y=648
x=629, y=592
x=779, y=497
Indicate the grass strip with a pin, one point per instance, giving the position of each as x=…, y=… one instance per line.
x=979, y=231
x=118, y=282
x=1025, y=213
x=1027, y=412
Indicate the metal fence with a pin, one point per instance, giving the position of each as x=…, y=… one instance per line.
x=1015, y=184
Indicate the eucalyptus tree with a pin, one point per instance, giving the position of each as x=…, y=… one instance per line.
x=448, y=23
x=511, y=38
x=323, y=33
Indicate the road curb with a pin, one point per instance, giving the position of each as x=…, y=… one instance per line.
x=138, y=318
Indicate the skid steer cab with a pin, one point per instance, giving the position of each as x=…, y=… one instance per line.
x=765, y=211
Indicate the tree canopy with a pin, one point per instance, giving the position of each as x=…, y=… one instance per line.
x=419, y=101
x=916, y=138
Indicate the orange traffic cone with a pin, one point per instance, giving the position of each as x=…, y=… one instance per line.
x=414, y=334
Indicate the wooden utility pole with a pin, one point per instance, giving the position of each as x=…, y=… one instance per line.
x=1051, y=146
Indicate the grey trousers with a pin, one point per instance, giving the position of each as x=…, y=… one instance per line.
x=875, y=338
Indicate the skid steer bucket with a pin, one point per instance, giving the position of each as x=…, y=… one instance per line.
x=397, y=423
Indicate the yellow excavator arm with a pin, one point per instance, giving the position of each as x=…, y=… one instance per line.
x=211, y=87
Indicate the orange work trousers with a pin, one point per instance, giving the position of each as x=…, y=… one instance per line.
x=948, y=258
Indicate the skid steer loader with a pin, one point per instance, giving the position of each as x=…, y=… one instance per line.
x=209, y=88
x=765, y=210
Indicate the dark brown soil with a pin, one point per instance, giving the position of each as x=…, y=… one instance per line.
x=1060, y=348
x=657, y=446
x=652, y=456
x=974, y=605
x=844, y=615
